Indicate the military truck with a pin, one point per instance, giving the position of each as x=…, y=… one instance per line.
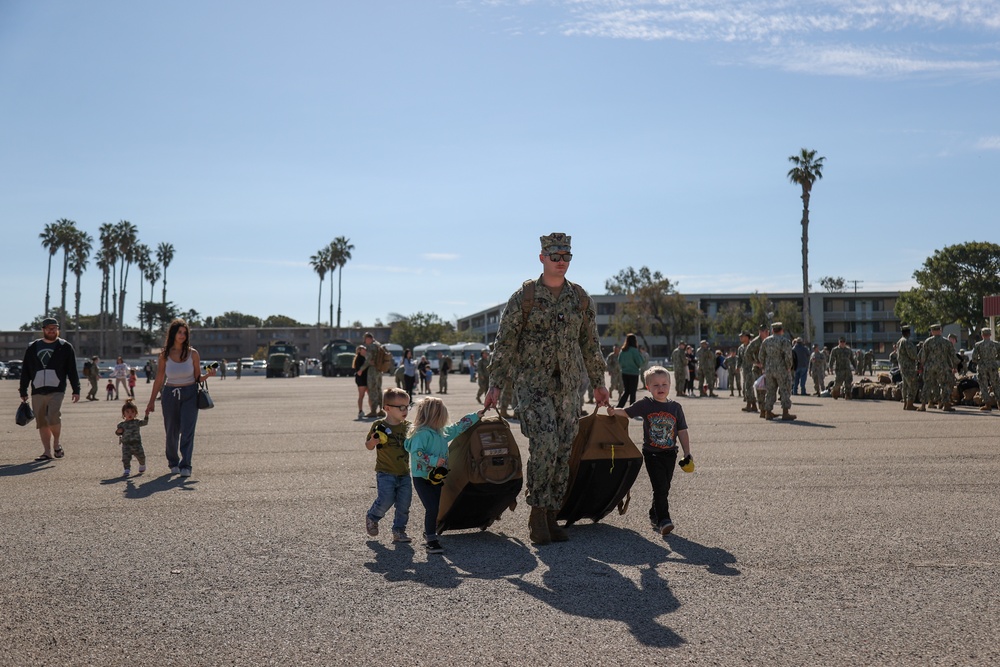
x=282, y=360
x=334, y=364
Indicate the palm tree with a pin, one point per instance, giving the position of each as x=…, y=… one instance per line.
x=807, y=170
x=320, y=262
x=50, y=241
x=107, y=258
x=142, y=261
x=152, y=275
x=165, y=255
x=66, y=233
x=82, y=245
x=126, y=237
x=341, y=252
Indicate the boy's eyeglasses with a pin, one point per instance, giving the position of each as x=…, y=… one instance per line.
x=560, y=257
x=403, y=408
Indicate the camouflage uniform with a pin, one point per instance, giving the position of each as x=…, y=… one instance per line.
x=444, y=370
x=374, y=378
x=483, y=377
x=869, y=362
x=131, y=441
x=817, y=369
x=859, y=362
x=986, y=355
x=706, y=370
x=906, y=355
x=842, y=363
x=614, y=372
x=937, y=356
x=546, y=355
x=776, y=356
x=750, y=371
x=732, y=367
x=680, y=363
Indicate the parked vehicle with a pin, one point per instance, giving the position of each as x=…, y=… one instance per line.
x=14, y=369
x=282, y=360
x=431, y=350
x=397, y=354
x=462, y=352
x=329, y=353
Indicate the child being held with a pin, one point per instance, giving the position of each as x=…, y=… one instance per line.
x=428, y=447
x=129, y=436
x=111, y=390
x=392, y=465
x=663, y=425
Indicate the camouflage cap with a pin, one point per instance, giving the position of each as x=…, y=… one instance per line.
x=763, y=327
x=555, y=242
x=745, y=333
x=936, y=327
x=777, y=325
x=704, y=342
x=986, y=331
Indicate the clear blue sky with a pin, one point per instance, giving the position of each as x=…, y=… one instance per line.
x=443, y=137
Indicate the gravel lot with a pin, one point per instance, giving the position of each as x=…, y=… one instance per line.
x=858, y=535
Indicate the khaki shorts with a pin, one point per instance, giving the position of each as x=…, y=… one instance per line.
x=47, y=409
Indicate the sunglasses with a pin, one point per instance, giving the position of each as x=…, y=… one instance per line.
x=403, y=408
x=560, y=257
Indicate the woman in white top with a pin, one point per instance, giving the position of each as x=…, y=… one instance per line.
x=178, y=373
x=121, y=376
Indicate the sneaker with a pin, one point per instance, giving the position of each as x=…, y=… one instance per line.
x=174, y=470
x=666, y=527
x=142, y=468
x=361, y=414
x=654, y=524
x=185, y=472
x=371, y=526
x=126, y=472
x=400, y=536
x=434, y=547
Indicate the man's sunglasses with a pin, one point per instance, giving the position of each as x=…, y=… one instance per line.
x=560, y=257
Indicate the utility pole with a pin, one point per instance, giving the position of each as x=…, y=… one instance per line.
x=856, y=283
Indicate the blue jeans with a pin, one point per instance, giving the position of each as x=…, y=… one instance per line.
x=392, y=490
x=180, y=416
x=799, y=381
x=430, y=496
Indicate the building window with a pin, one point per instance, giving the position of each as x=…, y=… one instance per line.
x=606, y=308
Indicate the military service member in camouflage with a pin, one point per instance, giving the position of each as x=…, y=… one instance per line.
x=679, y=360
x=483, y=374
x=732, y=368
x=546, y=343
x=906, y=356
x=817, y=368
x=937, y=357
x=742, y=368
x=986, y=356
x=374, y=377
x=842, y=363
x=776, y=357
x=706, y=369
x=614, y=372
x=751, y=362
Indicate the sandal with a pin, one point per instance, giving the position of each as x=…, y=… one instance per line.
x=44, y=457
x=59, y=452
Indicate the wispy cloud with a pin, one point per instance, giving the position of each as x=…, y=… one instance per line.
x=439, y=256
x=861, y=38
x=988, y=144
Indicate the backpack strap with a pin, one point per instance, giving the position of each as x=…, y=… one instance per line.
x=528, y=301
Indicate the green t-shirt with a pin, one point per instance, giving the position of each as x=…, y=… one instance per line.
x=391, y=458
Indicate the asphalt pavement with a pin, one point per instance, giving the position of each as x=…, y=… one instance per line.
x=859, y=534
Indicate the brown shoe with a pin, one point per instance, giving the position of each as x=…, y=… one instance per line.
x=787, y=416
x=556, y=532
x=947, y=407
x=538, y=526
x=763, y=413
x=922, y=408
x=985, y=408
x=770, y=415
x=909, y=406
x=371, y=415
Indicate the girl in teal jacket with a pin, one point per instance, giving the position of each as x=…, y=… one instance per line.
x=428, y=447
x=631, y=362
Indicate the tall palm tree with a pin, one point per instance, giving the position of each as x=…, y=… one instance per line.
x=50, y=241
x=82, y=245
x=67, y=233
x=107, y=259
x=341, y=252
x=165, y=255
x=807, y=170
x=152, y=275
x=320, y=262
x=143, y=258
x=127, y=238
x=100, y=260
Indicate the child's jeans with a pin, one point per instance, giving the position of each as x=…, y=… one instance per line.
x=430, y=497
x=660, y=468
x=392, y=490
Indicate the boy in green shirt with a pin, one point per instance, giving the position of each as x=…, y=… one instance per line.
x=392, y=465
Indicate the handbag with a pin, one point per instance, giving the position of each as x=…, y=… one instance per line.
x=24, y=414
x=205, y=401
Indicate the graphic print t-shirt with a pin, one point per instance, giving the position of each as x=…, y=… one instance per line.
x=660, y=423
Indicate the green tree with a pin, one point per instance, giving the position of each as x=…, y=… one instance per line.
x=951, y=285
x=127, y=240
x=320, y=262
x=50, y=241
x=80, y=254
x=652, y=307
x=807, y=170
x=275, y=321
x=152, y=274
x=832, y=284
x=233, y=319
x=143, y=258
x=67, y=233
x=165, y=255
x=731, y=320
x=412, y=330
x=107, y=259
x=340, y=254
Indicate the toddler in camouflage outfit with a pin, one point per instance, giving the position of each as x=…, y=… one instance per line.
x=130, y=438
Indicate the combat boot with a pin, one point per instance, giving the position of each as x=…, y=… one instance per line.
x=556, y=532
x=922, y=408
x=763, y=413
x=986, y=407
x=538, y=526
x=787, y=416
x=947, y=407
x=908, y=405
x=770, y=415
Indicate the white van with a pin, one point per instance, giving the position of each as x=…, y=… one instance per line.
x=462, y=352
x=431, y=350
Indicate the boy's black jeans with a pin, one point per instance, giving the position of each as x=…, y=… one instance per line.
x=660, y=468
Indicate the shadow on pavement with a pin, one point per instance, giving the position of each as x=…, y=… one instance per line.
x=25, y=468
x=583, y=580
x=396, y=563
x=714, y=559
x=154, y=485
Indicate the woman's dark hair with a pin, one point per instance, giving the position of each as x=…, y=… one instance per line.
x=172, y=336
x=406, y=352
x=630, y=341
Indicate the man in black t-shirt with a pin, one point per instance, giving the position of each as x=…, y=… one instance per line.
x=48, y=363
